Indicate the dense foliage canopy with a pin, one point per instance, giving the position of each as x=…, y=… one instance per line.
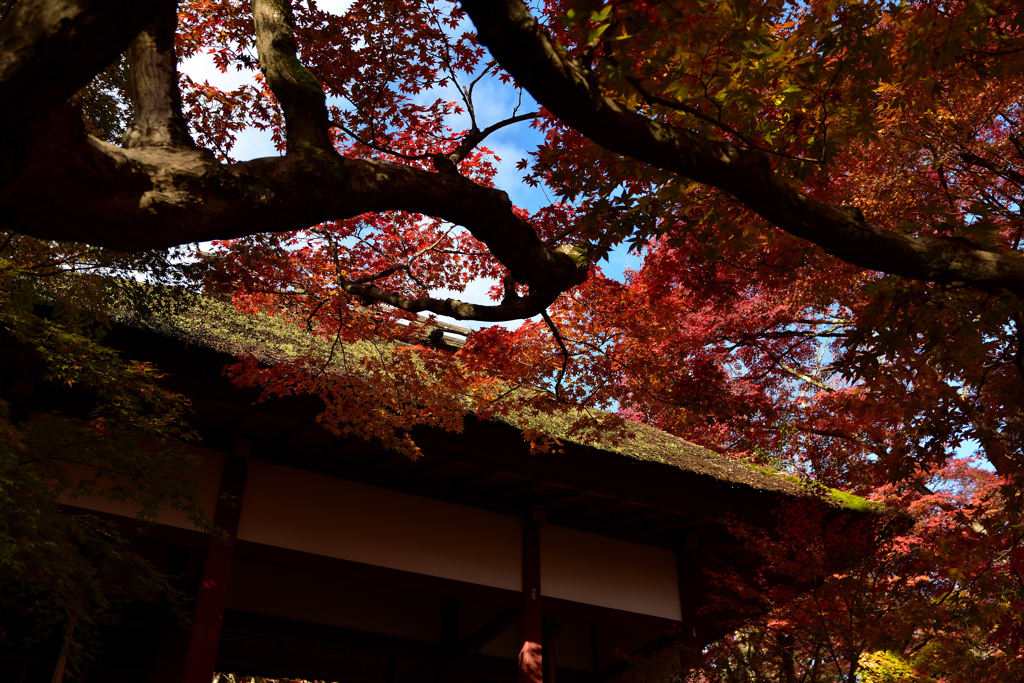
x=826, y=194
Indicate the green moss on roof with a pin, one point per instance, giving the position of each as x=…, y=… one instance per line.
x=854, y=502
x=208, y=323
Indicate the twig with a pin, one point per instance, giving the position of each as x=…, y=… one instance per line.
x=565, y=352
x=651, y=98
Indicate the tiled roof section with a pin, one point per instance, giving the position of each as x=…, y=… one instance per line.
x=271, y=339
x=643, y=442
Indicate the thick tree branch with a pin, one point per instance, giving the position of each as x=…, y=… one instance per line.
x=161, y=191
x=49, y=49
x=522, y=47
x=515, y=309
x=564, y=353
x=1004, y=170
x=154, y=77
x=161, y=196
x=300, y=94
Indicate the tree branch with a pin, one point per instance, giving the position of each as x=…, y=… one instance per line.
x=300, y=94
x=1004, y=171
x=154, y=77
x=49, y=50
x=162, y=192
x=510, y=309
x=161, y=196
x=475, y=137
x=523, y=48
x=564, y=353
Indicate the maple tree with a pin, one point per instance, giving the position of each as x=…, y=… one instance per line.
x=827, y=197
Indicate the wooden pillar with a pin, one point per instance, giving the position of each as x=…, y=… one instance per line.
x=531, y=627
x=595, y=654
x=168, y=663
x=552, y=629
x=454, y=665
x=213, y=587
x=688, y=573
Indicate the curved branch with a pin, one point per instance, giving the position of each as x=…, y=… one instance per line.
x=514, y=309
x=561, y=85
x=50, y=49
x=154, y=77
x=564, y=352
x=152, y=197
x=159, y=193
x=475, y=137
x=300, y=94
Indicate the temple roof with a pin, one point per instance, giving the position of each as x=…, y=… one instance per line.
x=220, y=327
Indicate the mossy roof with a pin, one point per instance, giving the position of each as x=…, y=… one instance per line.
x=219, y=326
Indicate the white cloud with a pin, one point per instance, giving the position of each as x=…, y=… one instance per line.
x=337, y=7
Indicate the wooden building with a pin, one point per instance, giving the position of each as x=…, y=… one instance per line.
x=478, y=562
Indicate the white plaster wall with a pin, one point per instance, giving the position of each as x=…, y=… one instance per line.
x=307, y=512
x=207, y=473
x=608, y=572
x=317, y=514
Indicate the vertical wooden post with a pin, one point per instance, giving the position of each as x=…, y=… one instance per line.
x=62, y=660
x=213, y=587
x=688, y=573
x=552, y=629
x=531, y=629
x=452, y=668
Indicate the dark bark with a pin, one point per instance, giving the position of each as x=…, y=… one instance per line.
x=155, y=197
x=153, y=69
x=49, y=49
x=522, y=47
x=161, y=191
x=301, y=95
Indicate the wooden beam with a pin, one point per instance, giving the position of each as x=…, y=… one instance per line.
x=531, y=630
x=489, y=631
x=441, y=468
x=615, y=505
x=487, y=478
x=393, y=460
x=453, y=661
x=201, y=657
x=687, y=522
x=569, y=496
x=345, y=446
x=525, y=486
